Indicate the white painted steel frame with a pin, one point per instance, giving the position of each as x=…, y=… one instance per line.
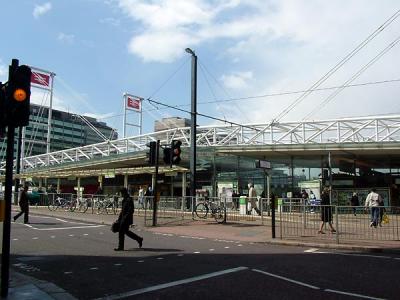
x=372, y=129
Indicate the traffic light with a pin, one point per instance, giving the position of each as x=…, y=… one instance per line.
x=151, y=155
x=167, y=156
x=17, y=96
x=175, y=152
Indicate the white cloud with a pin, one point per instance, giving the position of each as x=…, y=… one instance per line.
x=3, y=72
x=66, y=38
x=111, y=21
x=237, y=80
x=40, y=10
x=287, y=44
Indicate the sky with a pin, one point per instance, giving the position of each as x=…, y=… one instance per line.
x=250, y=52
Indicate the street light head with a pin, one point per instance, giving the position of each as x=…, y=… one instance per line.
x=190, y=51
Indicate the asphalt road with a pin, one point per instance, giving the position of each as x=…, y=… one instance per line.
x=79, y=258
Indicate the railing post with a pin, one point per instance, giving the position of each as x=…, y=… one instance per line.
x=337, y=224
x=304, y=214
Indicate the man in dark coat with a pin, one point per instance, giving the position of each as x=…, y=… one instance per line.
x=125, y=219
x=24, y=205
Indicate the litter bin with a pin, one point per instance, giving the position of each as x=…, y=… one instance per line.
x=243, y=205
x=280, y=204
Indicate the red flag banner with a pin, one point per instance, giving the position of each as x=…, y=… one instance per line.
x=40, y=78
x=133, y=103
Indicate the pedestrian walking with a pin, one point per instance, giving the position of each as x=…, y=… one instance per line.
x=326, y=211
x=312, y=201
x=373, y=201
x=24, y=205
x=149, y=197
x=253, y=199
x=382, y=211
x=305, y=197
x=141, y=197
x=125, y=219
x=354, y=203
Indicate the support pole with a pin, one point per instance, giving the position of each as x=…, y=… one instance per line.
x=193, y=125
x=18, y=158
x=5, y=257
x=155, y=198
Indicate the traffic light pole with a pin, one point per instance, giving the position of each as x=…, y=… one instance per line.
x=18, y=159
x=5, y=257
x=155, y=202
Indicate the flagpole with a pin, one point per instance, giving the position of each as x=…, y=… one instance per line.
x=50, y=114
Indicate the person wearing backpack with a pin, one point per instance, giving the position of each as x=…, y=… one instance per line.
x=373, y=201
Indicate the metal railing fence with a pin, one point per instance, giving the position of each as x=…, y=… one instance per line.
x=349, y=223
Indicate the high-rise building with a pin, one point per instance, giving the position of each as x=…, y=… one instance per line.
x=68, y=130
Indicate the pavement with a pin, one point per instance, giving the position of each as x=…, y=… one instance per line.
x=26, y=287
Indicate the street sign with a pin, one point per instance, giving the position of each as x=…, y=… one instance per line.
x=263, y=164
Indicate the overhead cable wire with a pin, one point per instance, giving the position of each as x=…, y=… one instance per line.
x=202, y=115
x=268, y=95
x=354, y=77
x=170, y=77
x=202, y=66
x=338, y=66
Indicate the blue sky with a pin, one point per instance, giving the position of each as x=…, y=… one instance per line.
x=101, y=49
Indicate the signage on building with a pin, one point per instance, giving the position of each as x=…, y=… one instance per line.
x=40, y=79
x=133, y=103
x=263, y=164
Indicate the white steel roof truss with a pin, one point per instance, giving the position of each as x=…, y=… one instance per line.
x=354, y=132
x=98, y=150
x=290, y=132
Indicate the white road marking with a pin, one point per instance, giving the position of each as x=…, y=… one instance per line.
x=15, y=239
x=86, y=234
x=94, y=268
x=287, y=279
x=171, y=284
x=71, y=235
x=196, y=252
x=211, y=249
x=160, y=258
x=140, y=261
x=311, y=250
x=101, y=232
x=35, y=238
x=240, y=245
x=67, y=272
x=64, y=228
x=352, y=294
x=117, y=265
x=363, y=255
x=226, y=247
x=53, y=236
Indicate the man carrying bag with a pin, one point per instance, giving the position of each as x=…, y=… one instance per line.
x=125, y=219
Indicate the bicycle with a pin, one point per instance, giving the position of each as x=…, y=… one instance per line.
x=58, y=202
x=203, y=208
x=82, y=204
x=106, y=205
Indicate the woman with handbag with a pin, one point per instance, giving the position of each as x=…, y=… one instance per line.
x=125, y=219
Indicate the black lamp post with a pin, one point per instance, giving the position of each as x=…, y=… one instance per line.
x=193, y=124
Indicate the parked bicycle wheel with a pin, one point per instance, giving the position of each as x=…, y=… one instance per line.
x=219, y=215
x=201, y=210
x=110, y=209
x=83, y=206
x=51, y=206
